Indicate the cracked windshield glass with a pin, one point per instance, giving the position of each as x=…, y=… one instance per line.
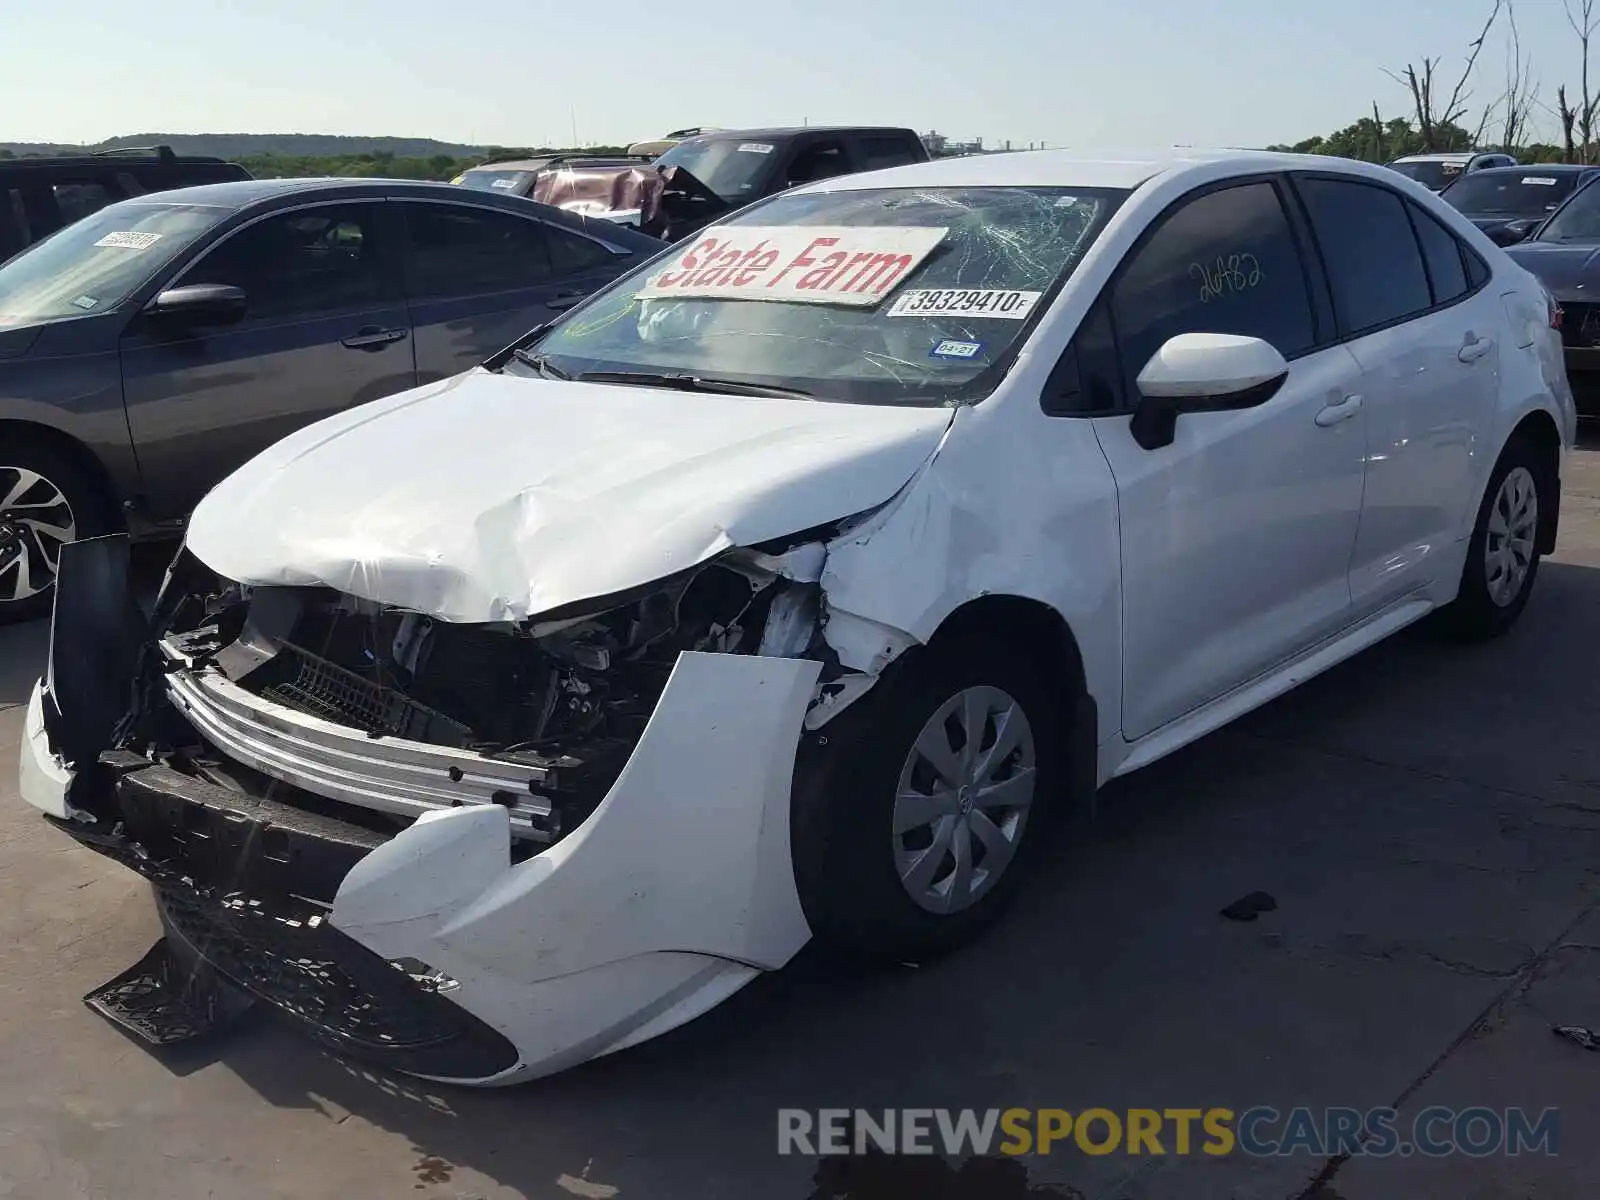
x=882, y=296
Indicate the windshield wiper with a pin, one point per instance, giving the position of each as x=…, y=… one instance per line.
x=540, y=364
x=689, y=383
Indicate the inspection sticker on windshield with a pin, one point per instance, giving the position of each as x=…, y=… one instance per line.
x=1542, y=181
x=130, y=240
x=798, y=264
x=754, y=148
x=966, y=302
x=950, y=348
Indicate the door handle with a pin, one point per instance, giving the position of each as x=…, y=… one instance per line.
x=373, y=338
x=1338, y=410
x=1474, y=350
x=564, y=300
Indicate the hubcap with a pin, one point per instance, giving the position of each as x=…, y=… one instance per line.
x=35, y=520
x=963, y=799
x=1513, y=527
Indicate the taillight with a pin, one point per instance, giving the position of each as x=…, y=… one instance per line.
x=1555, y=311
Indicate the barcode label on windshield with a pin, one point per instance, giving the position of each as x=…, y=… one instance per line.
x=966, y=302
x=129, y=240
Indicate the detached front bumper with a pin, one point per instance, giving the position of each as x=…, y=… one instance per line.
x=439, y=954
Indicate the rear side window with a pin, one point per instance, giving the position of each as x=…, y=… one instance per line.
x=1442, y=254
x=886, y=151
x=1225, y=262
x=573, y=254
x=74, y=201
x=456, y=250
x=1371, y=254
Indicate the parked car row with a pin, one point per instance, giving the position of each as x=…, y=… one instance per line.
x=156, y=344
x=787, y=587
x=702, y=174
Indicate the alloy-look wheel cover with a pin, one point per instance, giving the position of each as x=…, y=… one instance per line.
x=1513, y=529
x=963, y=799
x=35, y=520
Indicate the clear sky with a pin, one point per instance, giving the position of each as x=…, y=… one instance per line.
x=1063, y=72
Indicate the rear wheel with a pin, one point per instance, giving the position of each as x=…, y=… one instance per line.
x=919, y=825
x=1503, y=555
x=45, y=501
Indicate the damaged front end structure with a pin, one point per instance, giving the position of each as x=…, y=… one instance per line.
x=479, y=853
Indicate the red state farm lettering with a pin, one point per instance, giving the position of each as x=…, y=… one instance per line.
x=803, y=259
x=688, y=262
x=755, y=260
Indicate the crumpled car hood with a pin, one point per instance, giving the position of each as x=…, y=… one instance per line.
x=495, y=498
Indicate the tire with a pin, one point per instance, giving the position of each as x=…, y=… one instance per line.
x=1503, y=554
x=848, y=857
x=41, y=489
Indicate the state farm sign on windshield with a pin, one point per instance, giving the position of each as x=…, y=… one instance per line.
x=809, y=264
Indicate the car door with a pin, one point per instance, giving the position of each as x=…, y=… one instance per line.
x=1236, y=538
x=325, y=327
x=478, y=278
x=1411, y=300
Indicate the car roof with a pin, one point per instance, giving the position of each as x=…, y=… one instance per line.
x=541, y=162
x=1453, y=156
x=246, y=193
x=774, y=133
x=1542, y=168
x=142, y=158
x=1080, y=168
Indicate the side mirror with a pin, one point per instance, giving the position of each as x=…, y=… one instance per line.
x=1513, y=232
x=200, y=304
x=1203, y=372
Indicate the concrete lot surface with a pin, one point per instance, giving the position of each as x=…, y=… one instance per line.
x=1427, y=817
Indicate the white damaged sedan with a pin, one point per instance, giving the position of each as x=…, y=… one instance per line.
x=784, y=590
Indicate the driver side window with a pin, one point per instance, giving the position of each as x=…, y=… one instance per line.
x=1224, y=262
x=303, y=263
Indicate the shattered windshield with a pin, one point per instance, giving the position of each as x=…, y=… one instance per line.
x=881, y=296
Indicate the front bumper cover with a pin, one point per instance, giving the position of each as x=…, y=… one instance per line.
x=675, y=892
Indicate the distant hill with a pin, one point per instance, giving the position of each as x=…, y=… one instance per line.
x=252, y=145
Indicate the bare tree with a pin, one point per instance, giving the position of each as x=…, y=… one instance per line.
x=1569, y=118
x=1522, y=91
x=1419, y=79
x=1584, y=22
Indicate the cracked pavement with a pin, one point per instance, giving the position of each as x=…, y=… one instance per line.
x=1427, y=817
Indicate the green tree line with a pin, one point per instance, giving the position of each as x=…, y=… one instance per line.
x=1372, y=140
x=382, y=165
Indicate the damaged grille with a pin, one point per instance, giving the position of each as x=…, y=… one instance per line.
x=318, y=688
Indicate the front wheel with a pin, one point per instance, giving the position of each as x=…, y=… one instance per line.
x=1503, y=554
x=45, y=502
x=917, y=826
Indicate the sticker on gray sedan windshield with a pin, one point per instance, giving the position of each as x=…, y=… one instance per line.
x=965, y=302
x=1542, y=181
x=129, y=240
x=754, y=148
x=85, y=302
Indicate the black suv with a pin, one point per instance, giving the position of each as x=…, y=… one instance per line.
x=40, y=195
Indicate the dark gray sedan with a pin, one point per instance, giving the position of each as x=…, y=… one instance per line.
x=152, y=347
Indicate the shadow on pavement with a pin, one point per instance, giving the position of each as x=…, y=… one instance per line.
x=693, y=1114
